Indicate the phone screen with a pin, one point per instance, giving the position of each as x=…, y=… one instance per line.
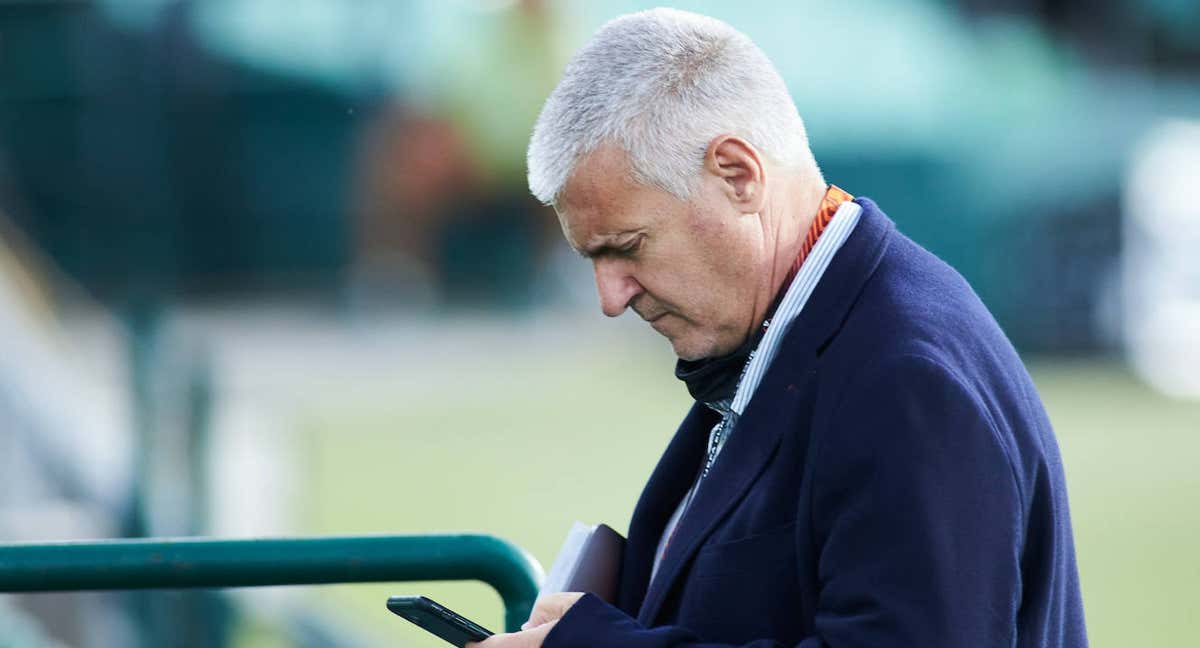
x=438, y=619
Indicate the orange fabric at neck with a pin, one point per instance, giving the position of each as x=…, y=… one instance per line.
x=834, y=197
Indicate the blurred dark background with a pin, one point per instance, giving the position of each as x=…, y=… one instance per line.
x=147, y=151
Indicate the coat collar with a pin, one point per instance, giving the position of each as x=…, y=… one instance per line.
x=757, y=435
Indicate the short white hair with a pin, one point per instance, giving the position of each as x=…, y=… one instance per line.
x=661, y=84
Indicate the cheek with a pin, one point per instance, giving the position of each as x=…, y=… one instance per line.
x=696, y=267
x=696, y=295
x=719, y=235
x=725, y=258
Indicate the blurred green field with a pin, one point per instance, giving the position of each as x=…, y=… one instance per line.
x=523, y=449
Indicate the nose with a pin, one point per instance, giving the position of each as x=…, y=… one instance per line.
x=616, y=287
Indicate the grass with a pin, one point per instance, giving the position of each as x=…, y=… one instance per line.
x=522, y=449
x=1130, y=457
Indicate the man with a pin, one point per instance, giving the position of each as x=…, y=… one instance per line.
x=867, y=463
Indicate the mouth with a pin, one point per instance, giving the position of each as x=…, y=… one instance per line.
x=653, y=317
x=657, y=322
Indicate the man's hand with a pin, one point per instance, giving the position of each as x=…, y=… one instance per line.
x=546, y=612
x=531, y=638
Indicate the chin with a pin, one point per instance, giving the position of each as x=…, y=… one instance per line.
x=684, y=355
x=692, y=349
x=698, y=347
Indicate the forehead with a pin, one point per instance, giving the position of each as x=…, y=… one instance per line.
x=601, y=200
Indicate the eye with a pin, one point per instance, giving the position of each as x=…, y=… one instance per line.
x=632, y=247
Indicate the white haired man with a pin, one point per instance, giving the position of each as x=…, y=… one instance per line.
x=867, y=462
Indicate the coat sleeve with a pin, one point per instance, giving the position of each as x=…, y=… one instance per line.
x=915, y=519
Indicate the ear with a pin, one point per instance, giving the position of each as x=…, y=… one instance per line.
x=741, y=168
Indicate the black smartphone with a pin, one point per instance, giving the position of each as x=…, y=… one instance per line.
x=440, y=620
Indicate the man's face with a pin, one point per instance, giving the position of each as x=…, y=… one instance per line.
x=690, y=268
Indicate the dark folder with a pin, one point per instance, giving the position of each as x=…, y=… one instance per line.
x=589, y=561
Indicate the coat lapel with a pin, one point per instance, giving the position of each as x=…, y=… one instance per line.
x=749, y=449
x=757, y=435
x=668, y=483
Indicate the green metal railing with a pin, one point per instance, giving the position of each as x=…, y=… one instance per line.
x=190, y=563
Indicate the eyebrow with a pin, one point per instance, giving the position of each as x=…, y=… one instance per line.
x=610, y=245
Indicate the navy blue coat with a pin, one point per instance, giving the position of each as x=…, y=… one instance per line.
x=893, y=482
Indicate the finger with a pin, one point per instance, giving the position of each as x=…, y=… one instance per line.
x=544, y=611
x=535, y=637
x=494, y=641
x=550, y=608
x=532, y=638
